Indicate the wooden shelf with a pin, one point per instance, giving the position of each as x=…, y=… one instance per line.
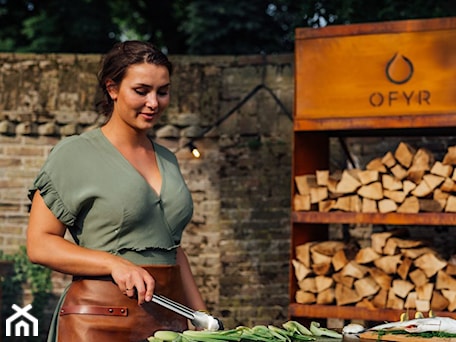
x=371, y=102
x=352, y=312
x=421, y=219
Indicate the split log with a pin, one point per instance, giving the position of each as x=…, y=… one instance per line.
x=395, y=195
x=322, y=177
x=402, y=288
x=387, y=206
x=450, y=269
x=322, y=283
x=301, y=202
x=304, y=297
x=366, y=287
x=304, y=183
x=366, y=303
x=441, y=169
x=300, y=270
x=380, y=299
x=339, y=260
x=404, y=268
x=438, y=301
x=410, y=302
x=393, y=301
x=308, y=285
x=373, y=191
x=424, y=292
x=369, y=206
x=423, y=305
x=445, y=281
x=366, y=255
x=368, y=176
x=345, y=295
x=391, y=183
x=448, y=185
x=303, y=253
x=328, y=248
x=321, y=269
x=430, y=264
x=422, y=190
x=381, y=278
x=326, y=206
x=346, y=281
x=423, y=159
x=388, y=264
x=378, y=241
x=451, y=296
x=399, y=172
x=408, y=186
x=348, y=183
x=318, y=194
x=319, y=258
x=404, y=154
x=326, y=297
x=450, y=206
x=376, y=165
x=349, y=203
x=355, y=270
x=430, y=205
x=416, y=252
x=388, y=160
x=450, y=156
x=411, y=205
x=433, y=181
x=418, y=277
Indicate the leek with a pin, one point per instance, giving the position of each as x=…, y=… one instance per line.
x=319, y=331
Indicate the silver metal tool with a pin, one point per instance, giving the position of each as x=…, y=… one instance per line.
x=198, y=318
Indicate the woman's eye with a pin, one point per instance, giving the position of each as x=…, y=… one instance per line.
x=140, y=92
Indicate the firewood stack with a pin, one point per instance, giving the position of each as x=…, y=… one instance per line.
x=406, y=181
x=393, y=272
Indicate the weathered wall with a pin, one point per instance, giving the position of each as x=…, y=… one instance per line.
x=238, y=240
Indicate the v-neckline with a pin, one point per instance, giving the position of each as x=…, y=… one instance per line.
x=132, y=167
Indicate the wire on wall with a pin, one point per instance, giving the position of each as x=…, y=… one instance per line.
x=191, y=145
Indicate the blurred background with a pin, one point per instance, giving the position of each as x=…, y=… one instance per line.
x=198, y=27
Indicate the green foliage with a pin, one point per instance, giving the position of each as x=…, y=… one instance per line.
x=25, y=274
x=190, y=27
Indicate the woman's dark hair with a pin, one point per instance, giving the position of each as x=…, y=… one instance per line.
x=116, y=62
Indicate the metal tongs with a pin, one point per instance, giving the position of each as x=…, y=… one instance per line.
x=198, y=318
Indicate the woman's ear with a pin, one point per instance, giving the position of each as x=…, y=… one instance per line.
x=111, y=88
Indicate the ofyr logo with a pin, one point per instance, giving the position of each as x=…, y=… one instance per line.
x=21, y=321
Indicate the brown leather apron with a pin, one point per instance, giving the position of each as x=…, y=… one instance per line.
x=95, y=310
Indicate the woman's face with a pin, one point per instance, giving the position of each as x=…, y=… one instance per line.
x=142, y=95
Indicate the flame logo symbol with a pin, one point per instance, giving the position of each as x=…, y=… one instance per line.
x=399, y=69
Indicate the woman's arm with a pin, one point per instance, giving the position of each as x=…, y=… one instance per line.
x=192, y=294
x=47, y=246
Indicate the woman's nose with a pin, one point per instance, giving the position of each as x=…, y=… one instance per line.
x=151, y=101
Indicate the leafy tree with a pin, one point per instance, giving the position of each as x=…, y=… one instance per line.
x=195, y=27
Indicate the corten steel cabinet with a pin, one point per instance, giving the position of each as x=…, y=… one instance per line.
x=367, y=79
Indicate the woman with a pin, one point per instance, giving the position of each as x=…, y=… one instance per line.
x=124, y=201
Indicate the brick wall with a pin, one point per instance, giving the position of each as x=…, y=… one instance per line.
x=238, y=240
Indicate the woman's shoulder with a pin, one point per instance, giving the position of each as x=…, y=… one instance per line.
x=76, y=142
x=164, y=152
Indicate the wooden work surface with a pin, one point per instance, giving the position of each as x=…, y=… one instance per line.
x=369, y=336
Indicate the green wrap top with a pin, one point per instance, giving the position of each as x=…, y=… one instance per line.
x=107, y=204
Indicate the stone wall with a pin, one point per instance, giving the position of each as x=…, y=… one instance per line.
x=238, y=239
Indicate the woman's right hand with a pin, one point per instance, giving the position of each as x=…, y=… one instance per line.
x=133, y=281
